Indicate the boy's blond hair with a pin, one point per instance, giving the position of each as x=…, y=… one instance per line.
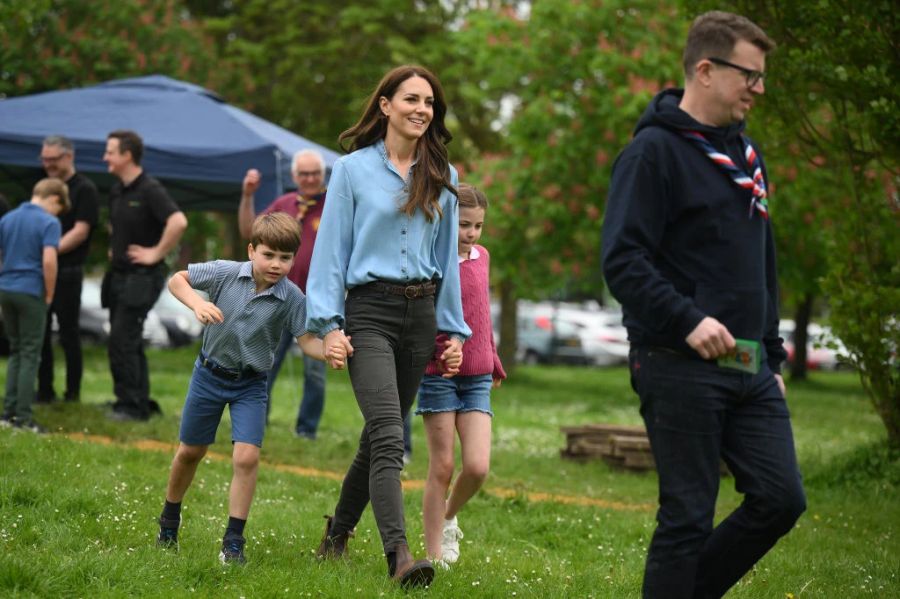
x=278, y=231
x=51, y=186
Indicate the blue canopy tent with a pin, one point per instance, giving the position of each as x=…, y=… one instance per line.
x=198, y=145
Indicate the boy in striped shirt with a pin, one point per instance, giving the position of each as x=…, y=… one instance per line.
x=249, y=305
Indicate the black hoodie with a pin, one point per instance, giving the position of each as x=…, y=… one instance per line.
x=678, y=244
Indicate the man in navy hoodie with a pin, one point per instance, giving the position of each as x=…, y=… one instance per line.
x=688, y=251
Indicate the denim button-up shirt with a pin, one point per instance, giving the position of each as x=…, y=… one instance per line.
x=364, y=236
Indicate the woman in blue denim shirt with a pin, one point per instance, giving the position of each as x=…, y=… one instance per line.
x=388, y=239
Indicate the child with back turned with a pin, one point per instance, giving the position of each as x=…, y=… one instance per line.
x=462, y=404
x=29, y=241
x=250, y=303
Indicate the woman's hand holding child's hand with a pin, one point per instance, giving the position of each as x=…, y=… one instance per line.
x=336, y=347
x=452, y=357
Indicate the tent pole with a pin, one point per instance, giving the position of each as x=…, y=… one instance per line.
x=279, y=182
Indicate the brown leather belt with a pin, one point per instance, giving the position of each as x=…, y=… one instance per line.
x=412, y=291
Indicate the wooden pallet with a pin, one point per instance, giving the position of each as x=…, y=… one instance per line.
x=617, y=444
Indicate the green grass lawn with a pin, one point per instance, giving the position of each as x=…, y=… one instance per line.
x=78, y=515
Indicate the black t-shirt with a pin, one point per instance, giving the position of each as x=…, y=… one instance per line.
x=137, y=214
x=85, y=206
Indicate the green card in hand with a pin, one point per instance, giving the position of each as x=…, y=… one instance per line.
x=745, y=357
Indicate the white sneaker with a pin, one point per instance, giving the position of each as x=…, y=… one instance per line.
x=450, y=541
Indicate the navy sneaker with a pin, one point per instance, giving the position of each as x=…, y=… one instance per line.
x=168, y=534
x=233, y=551
x=7, y=421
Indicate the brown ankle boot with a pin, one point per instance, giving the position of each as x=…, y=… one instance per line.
x=409, y=572
x=332, y=547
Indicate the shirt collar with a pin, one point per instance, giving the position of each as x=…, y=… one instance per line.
x=383, y=150
x=135, y=182
x=279, y=289
x=474, y=254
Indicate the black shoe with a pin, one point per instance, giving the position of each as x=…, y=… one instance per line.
x=71, y=397
x=168, y=534
x=7, y=421
x=31, y=426
x=233, y=551
x=122, y=416
x=45, y=398
x=305, y=435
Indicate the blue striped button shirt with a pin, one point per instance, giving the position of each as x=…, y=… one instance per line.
x=364, y=236
x=253, y=322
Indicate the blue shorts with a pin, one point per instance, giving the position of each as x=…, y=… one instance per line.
x=459, y=394
x=207, y=397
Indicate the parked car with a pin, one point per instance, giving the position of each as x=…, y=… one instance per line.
x=547, y=340
x=179, y=320
x=819, y=356
x=94, y=319
x=604, y=340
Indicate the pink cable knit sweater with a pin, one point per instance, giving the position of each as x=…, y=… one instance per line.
x=479, y=351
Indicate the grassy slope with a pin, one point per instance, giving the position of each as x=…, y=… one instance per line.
x=78, y=517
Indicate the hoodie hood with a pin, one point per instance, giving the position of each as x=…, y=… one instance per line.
x=663, y=111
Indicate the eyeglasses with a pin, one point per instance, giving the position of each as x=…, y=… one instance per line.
x=303, y=174
x=753, y=77
x=51, y=159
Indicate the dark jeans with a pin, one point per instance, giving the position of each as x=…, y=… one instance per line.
x=697, y=413
x=131, y=296
x=67, y=306
x=393, y=339
x=24, y=317
x=312, y=404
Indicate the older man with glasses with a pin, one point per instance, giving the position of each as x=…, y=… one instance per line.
x=305, y=205
x=58, y=159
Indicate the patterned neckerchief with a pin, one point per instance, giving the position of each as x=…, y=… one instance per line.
x=755, y=184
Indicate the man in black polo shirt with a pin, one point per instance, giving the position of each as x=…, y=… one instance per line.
x=146, y=223
x=58, y=160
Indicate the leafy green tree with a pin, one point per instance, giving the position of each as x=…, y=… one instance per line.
x=309, y=66
x=833, y=97
x=571, y=79
x=58, y=44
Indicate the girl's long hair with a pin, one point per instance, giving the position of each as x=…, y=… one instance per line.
x=432, y=171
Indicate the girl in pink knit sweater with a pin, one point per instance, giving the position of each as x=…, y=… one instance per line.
x=461, y=404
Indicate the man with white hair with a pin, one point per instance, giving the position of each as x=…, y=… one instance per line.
x=305, y=204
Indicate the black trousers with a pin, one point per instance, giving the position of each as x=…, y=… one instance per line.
x=131, y=296
x=67, y=307
x=393, y=339
x=697, y=413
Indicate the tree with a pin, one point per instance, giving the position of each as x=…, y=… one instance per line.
x=309, y=66
x=58, y=44
x=837, y=67
x=574, y=77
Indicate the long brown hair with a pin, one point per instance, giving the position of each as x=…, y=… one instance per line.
x=432, y=171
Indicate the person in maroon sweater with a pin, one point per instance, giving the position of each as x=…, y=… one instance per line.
x=461, y=404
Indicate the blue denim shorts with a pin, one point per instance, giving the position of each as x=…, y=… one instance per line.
x=207, y=397
x=459, y=394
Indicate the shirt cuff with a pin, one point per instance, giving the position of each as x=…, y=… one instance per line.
x=327, y=329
